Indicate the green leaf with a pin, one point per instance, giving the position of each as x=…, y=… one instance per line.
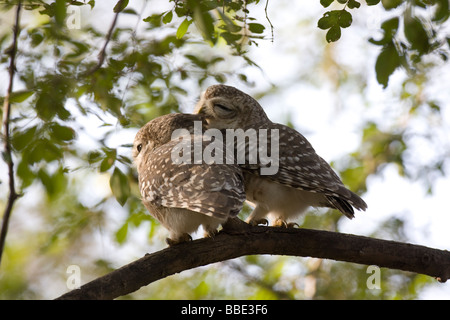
x=36, y=38
x=388, y=60
x=328, y=19
x=204, y=22
x=416, y=34
x=20, y=96
x=61, y=132
x=119, y=186
x=256, y=27
x=59, y=180
x=6, y=157
x=48, y=9
x=44, y=109
x=182, y=29
x=230, y=25
x=55, y=183
x=121, y=234
x=231, y=38
x=130, y=11
x=120, y=5
x=352, y=4
x=60, y=12
x=220, y=78
x=345, y=19
x=342, y=1
x=94, y=156
x=44, y=149
x=442, y=11
x=46, y=181
x=108, y=161
x=334, y=34
x=197, y=61
x=372, y=2
x=25, y=174
x=21, y=139
x=91, y=3
x=353, y=177
x=154, y=20
x=391, y=4
x=326, y=3
x=167, y=18
x=390, y=28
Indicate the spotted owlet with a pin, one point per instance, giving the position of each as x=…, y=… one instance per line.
x=182, y=195
x=300, y=178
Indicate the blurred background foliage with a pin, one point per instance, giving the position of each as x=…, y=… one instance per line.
x=76, y=109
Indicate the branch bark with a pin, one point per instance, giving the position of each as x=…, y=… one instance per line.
x=7, y=153
x=239, y=239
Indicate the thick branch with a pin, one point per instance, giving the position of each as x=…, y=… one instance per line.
x=7, y=154
x=240, y=240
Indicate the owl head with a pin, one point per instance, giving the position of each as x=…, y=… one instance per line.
x=225, y=107
x=159, y=131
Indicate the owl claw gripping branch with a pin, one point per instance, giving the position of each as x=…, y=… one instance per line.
x=184, y=195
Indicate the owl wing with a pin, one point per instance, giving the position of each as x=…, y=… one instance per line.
x=301, y=167
x=215, y=190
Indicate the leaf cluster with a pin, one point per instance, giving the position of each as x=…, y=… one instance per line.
x=406, y=49
x=228, y=21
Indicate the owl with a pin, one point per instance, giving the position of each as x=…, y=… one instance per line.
x=184, y=195
x=301, y=177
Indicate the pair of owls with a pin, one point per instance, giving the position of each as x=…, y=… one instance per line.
x=183, y=196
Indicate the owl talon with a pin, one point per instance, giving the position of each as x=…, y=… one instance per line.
x=283, y=224
x=280, y=223
x=258, y=222
x=292, y=225
x=184, y=238
x=210, y=234
x=264, y=222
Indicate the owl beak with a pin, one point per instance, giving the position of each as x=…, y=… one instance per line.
x=200, y=109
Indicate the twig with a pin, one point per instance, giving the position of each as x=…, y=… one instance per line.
x=7, y=154
x=102, y=53
x=267, y=17
x=242, y=240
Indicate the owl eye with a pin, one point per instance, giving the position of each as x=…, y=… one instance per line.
x=222, y=107
x=223, y=111
x=139, y=147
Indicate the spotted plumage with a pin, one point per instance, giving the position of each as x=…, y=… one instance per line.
x=302, y=178
x=183, y=196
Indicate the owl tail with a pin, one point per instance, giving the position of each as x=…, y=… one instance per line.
x=345, y=205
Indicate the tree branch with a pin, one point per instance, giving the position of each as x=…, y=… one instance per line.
x=239, y=239
x=7, y=153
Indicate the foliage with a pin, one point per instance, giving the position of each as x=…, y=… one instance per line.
x=421, y=21
x=64, y=89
